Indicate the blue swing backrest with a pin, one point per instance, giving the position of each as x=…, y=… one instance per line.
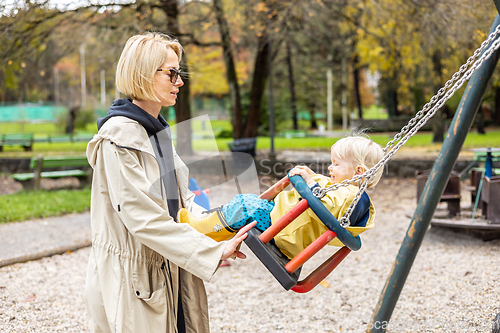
x=361, y=213
x=352, y=242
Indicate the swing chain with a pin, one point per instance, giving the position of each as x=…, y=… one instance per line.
x=345, y=220
x=319, y=192
x=420, y=119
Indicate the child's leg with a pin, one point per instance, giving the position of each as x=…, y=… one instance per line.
x=246, y=208
x=224, y=223
x=214, y=225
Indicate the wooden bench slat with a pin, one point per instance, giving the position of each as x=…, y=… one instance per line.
x=32, y=179
x=56, y=162
x=50, y=174
x=64, y=173
x=22, y=176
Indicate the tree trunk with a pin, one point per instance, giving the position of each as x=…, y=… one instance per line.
x=183, y=105
x=496, y=108
x=392, y=102
x=183, y=113
x=293, y=99
x=437, y=121
x=480, y=120
x=232, y=79
x=357, y=94
x=418, y=98
x=390, y=96
x=260, y=75
x=312, y=111
x=70, y=124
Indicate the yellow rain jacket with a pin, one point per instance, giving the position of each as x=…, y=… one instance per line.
x=307, y=227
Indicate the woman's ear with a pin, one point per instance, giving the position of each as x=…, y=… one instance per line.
x=360, y=170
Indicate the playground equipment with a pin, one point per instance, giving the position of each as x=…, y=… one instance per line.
x=478, y=68
x=441, y=171
x=451, y=193
x=201, y=197
x=482, y=217
x=287, y=271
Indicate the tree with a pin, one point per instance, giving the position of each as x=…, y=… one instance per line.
x=37, y=24
x=183, y=105
x=435, y=40
x=237, y=36
x=270, y=20
x=291, y=79
x=232, y=78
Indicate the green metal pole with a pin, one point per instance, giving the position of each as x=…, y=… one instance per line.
x=433, y=190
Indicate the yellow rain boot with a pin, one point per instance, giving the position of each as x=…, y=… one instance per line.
x=214, y=225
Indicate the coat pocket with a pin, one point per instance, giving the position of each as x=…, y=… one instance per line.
x=153, y=292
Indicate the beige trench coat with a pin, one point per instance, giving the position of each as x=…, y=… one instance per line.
x=140, y=257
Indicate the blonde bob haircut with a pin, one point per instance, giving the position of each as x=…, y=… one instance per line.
x=359, y=150
x=142, y=56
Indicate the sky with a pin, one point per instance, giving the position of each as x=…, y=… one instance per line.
x=61, y=4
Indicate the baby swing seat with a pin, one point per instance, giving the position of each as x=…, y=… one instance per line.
x=287, y=271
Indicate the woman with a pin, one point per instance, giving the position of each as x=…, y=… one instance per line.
x=145, y=270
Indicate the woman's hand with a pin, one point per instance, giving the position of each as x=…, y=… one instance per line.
x=304, y=172
x=232, y=244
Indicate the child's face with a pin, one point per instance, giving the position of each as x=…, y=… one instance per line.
x=340, y=169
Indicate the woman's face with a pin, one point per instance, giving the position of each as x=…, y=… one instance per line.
x=164, y=88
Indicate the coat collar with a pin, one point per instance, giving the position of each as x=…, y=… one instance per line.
x=123, y=132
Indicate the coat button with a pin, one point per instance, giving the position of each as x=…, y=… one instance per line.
x=162, y=265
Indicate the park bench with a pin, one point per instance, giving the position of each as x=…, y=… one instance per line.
x=451, y=193
x=294, y=134
x=24, y=140
x=79, y=168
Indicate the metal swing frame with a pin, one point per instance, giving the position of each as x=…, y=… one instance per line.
x=438, y=178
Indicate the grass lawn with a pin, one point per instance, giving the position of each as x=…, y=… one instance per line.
x=37, y=128
x=26, y=205
x=372, y=112
x=422, y=139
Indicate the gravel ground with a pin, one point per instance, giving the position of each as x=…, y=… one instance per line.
x=452, y=287
x=9, y=185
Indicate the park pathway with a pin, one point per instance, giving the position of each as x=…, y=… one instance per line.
x=35, y=239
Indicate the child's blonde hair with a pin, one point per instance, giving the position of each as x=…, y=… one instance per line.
x=142, y=55
x=360, y=150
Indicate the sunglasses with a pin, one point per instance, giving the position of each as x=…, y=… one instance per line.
x=174, y=73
